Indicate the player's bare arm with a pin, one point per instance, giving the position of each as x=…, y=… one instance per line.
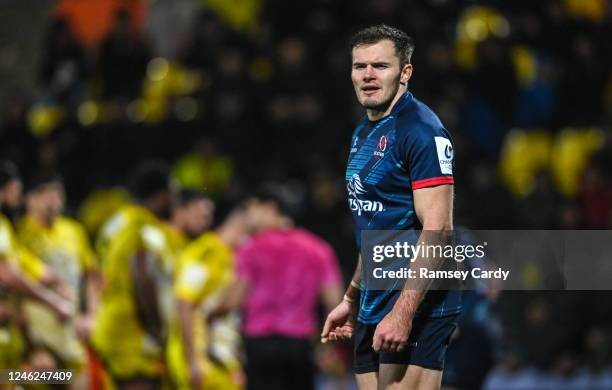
x=186, y=312
x=433, y=207
x=340, y=322
x=233, y=299
x=13, y=279
x=147, y=293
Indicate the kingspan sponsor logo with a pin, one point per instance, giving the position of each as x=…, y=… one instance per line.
x=355, y=191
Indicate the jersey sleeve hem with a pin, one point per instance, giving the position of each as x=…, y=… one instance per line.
x=433, y=181
x=186, y=295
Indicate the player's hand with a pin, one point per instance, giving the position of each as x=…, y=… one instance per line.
x=340, y=323
x=57, y=284
x=392, y=333
x=66, y=292
x=239, y=378
x=196, y=376
x=83, y=325
x=63, y=309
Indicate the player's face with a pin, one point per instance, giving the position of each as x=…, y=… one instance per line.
x=199, y=216
x=53, y=200
x=11, y=194
x=47, y=202
x=262, y=215
x=376, y=74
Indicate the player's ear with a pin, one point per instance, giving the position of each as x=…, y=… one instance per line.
x=406, y=74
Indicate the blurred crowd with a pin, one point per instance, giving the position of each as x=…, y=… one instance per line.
x=233, y=97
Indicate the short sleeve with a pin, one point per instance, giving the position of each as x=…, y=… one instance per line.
x=191, y=281
x=429, y=156
x=29, y=264
x=12, y=250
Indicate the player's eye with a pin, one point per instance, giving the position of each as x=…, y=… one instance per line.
x=358, y=66
x=381, y=66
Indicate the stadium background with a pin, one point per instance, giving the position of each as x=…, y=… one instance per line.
x=234, y=94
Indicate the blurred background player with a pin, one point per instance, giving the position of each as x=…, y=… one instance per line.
x=202, y=352
x=11, y=190
x=63, y=245
x=21, y=274
x=129, y=330
x=11, y=203
x=150, y=193
x=283, y=272
x=192, y=213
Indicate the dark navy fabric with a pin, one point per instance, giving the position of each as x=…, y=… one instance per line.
x=427, y=344
x=407, y=150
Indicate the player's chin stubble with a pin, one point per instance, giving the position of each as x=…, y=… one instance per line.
x=377, y=105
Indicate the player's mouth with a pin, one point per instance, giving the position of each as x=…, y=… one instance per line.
x=369, y=90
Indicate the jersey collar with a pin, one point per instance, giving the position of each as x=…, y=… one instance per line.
x=399, y=105
x=402, y=102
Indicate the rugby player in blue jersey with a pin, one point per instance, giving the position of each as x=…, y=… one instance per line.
x=399, y=177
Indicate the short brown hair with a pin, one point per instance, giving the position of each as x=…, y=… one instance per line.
x=404, y=46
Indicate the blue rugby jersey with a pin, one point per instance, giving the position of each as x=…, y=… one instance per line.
x=389, y=158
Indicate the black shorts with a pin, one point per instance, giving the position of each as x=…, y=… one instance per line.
x=426, y=347
x=279, y=363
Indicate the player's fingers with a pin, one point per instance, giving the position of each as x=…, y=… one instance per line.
x=337, y=333
x=386, y=346
x=326, y=327
x=401, y=346
x=343, y=336
x=394, y=347
x=347, y=333
x=377, y=342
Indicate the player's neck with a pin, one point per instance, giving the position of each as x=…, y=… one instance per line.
x=232, y=232
x=375, y=115
x=42, y=219
x=177, y=223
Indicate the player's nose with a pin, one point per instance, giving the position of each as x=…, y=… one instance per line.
x=369, y=73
